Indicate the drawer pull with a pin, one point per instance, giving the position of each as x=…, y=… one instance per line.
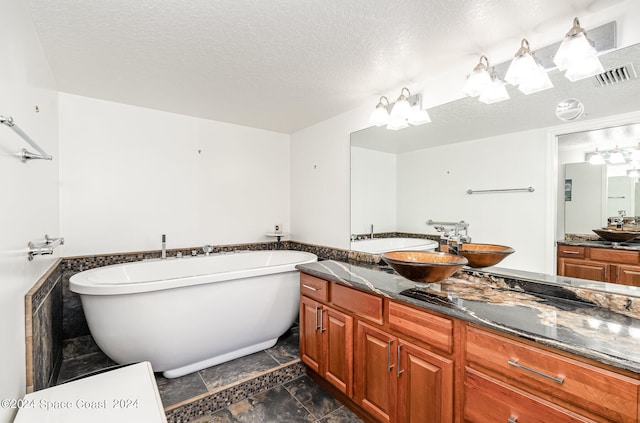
x=570, y=252
x=399, y=372
x=309, y=287
x=514, y=363
x=512, y=420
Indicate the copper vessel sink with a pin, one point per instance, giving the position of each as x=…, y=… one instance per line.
x=616, y=235
x=484, y=255
x=424, y=266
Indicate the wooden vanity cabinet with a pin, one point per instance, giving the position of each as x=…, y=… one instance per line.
x=510, y=380
x=326, y=341
x=599, y=264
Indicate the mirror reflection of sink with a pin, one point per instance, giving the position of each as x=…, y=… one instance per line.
x=381, y=245
x=484, y=255
x=424, y=266
x=616, y=235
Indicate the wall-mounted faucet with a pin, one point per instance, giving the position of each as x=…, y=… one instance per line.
x=164, y=247
x=371, y=231
x=208, y=249
x=454, y=240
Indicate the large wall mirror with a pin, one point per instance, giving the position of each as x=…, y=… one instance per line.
x=401, y=179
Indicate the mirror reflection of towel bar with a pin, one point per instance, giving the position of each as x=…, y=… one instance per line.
x=476, y=191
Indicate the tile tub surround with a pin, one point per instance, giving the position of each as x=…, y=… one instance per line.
x=601, y=326
x=43, y=334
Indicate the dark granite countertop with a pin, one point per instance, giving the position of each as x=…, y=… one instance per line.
x=593, y=320
x=601, y=243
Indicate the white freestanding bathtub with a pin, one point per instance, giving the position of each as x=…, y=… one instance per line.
x=382, y=245
x=186, y=314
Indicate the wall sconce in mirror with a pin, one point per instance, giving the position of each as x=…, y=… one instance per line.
x=484, y=84
x=526, y=72
x=407, y=110
x=615, y=156
x=577, y=55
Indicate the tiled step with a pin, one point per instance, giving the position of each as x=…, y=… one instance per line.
x=209, y=402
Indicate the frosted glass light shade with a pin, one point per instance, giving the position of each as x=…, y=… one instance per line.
x=396, y=123
x=616, y=157
x=418, y=117
x=401, y=109
x=379, y=116
x=476, y=83
x=596, y=159
x=528, y=75
x=577, y=56
x=494, y=92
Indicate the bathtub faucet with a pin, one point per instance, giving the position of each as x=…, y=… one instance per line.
x=164, y=247
x=208, y=249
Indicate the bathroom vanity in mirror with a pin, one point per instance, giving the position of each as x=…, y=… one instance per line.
x=585, y=261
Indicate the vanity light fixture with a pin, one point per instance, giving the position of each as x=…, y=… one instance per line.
x=526, y=73
x=633, y=173
x=577, y=55
x=485, y=84
x=380, y=115
x=479, y=79
x=407, y=110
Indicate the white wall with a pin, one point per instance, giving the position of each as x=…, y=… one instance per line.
x=28, y=192
x=373, y=191
x=129, y=174
x=433, y=184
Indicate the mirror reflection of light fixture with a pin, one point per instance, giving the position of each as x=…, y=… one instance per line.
x=479, y=79
x=526, y=73
x=633, y=173
x=407, y=110
x=616, y=157
x=577, y=55
x=380, y=116
x=596, y=158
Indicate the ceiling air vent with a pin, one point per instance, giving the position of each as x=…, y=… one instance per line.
x=616, y=75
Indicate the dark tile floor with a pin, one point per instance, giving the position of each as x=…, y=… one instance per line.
x=299, y=400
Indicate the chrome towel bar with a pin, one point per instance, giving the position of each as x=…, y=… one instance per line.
x=44, y=247
x=475, y=191
x=24, y=154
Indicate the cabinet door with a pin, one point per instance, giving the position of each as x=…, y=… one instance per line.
x=375, y=371
x=310, y=335
x=425, y=385
x=338, y=349
x=583, y=269
x=628, y=275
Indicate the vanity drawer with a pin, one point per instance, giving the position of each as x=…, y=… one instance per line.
x=428, y=328
x=364, y=305
x=488, y=400
x=570, y=251
x=572, y=382
x=616, y=256
x=313, y=287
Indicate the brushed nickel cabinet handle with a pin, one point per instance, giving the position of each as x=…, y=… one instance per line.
x=398, y=371
x=322, y=329
x=317, y=327
x=570, y=252
x=514, y=363
x=389, y=366
x=309, y=287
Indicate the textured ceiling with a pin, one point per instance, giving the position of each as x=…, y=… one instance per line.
x=280, y=65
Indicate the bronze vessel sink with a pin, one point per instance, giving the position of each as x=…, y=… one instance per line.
x=484, y=255
x=424, y=266
x=616, y=235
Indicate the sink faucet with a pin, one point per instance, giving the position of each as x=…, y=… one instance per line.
x=454, y=240
x=164, y=247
